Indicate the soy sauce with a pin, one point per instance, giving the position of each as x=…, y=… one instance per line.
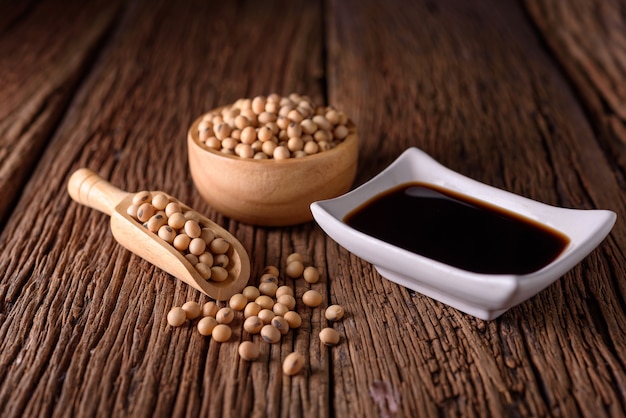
x=458, y=230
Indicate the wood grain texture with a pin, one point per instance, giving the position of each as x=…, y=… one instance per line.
x=589, y=40
x=45, y=48
x=472, y=86
x=83, y=328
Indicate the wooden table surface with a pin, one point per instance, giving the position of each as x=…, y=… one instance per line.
x=526, y=96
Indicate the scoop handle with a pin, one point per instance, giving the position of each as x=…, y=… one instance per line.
x=88, y=188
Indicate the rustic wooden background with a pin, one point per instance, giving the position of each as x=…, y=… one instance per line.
x=527, y=96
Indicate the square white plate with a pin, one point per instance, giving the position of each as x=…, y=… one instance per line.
x=485, y=296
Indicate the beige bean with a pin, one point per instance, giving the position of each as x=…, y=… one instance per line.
x=280, y=324
x=238, y=302
x=251, y=292
x=294, y=269
x=210, y=309
x=204, y=270
x=218, y=274
x=270, y=334
x=293, y=319
x=176, y=316
x=283, y=290
x=206, y=325
x=253, y=324
x=225, y=316
x=329, y=336
x=192, y=309
x=287, y=300
x=293, y=363
x=251, y=309
x=266, y=315
x=311, y=274
x=334, y=313
x=248, y=351
x=160, y=201
x=145, y=212
x=142, y=197
x=312, y=298
x=221, y=333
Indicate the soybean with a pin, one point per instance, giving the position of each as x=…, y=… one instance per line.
x=266, y=315
x=218, y=274
x=166, y=233
x=193, y=229
x=210, y=309
x=334, y=313
x=280, y=324
x=145, y=212
x=280, y=309
x=312, y=298
x=142, y=197
x=181, y=242
x=251, y=309
x=283, y=290
x=251, y=293
x=238, y=302
x=287, y=300
x=176, y=316
x=206, y=325
x=270, y=334
x=225, y=316
x=293, y=363
x=329, y=336
x=253, y=324
x=295, y=269
x=206, y=258
x=204, y=270
x=197, y=246
x=177, y=220
x=172, y=208
x=221, y=260
x=221, y=333
x=249, y=351
x=311, y=274
x=219, y=246
x=293, y=319
x=268, y=288
x=289, y=119
x=192, y=309
x=160, y=201
x=265, y=302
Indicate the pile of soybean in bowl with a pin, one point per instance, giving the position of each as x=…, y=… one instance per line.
x=182, y=228
x=268, y=310
x=274, y=127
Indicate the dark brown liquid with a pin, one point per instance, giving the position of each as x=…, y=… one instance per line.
x=458, y=230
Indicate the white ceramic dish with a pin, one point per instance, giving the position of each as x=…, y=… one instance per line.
x=485, y=296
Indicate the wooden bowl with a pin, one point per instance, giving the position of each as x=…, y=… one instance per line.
x=270, y=192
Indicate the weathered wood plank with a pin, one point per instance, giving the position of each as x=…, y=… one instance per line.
x=589, y=40
x=472, y=85
x=100, y=312
x=45, y=48
x=82, y=321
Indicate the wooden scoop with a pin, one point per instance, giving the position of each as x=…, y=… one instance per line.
x=88, y=188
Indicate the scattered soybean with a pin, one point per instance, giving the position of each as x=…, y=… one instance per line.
x=293, y=363
x=249, y=351
x=329, y=336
